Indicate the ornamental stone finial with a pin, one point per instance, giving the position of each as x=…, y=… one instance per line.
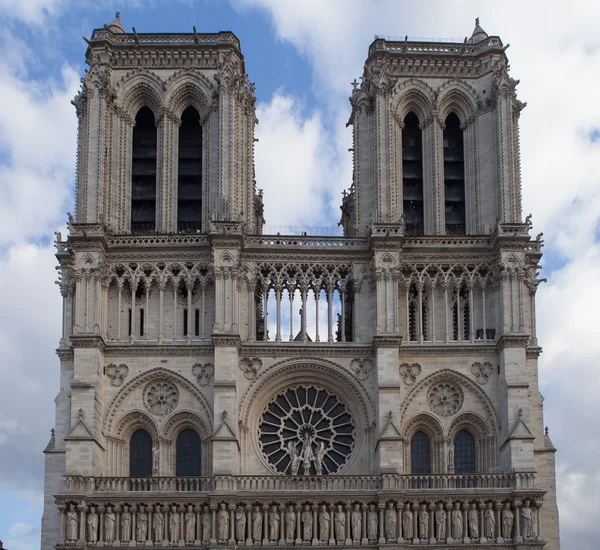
x=476, y=21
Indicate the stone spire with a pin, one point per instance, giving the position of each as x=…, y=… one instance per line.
x=478, y=33
x=116, y=27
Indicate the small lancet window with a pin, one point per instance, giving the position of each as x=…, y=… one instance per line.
x=189, y=175
x=454, y=176
x=188, y=454
x=140, y=454
x=464, y=453
x=143, y=173
x=420, y=454
x=412, y=175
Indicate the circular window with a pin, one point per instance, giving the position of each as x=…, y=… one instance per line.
x=306, y=430
x=161, y=397
x=445, y=398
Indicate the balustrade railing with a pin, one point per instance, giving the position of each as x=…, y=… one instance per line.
x=385, y=482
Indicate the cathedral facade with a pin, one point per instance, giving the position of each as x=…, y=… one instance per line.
x=224, y=387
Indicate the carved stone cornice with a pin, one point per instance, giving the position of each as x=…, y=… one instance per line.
x=387, y=341
x=88, y=341
x=512, y=341
x=65, y=354
x=226, y=341
x=153, y=350
x=442, y=350
x=533, y=352
x=312, y=350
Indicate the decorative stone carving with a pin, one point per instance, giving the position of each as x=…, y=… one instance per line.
x=423, y=522
x=206, y=524
x=407, y=522
x=356, y=522
x=410, y=371
x=361, y=367
x=507, y=521
x=190, y=524
x=161, y=397
x=372, y=523
x=158, y=522
x=155, y=458
x=250, y=367
x=72, y=523
x=222, y=523
x=324, y=522
x=174, y=524
x=290, y=523
x=125, y=524
x=240, y=524
x=141, y=528
x=440, y=522
x=473, y=520
x=257, y=522
x=482, y=371
x=116, y=373
x=274, y=519
x=307, y=523
x=457, y=522
x=527, y=521
x=92, y=525
x=300, y=422
x=445, y=398
x=109, y=524
x=390, y=522
x=203, y=373
x=340, y=523
x=489, y=521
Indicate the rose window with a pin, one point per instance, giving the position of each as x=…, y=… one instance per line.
x=445, y=398
x=161, y=397
x=306, y=431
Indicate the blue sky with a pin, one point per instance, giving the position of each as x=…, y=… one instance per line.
x=302, y=56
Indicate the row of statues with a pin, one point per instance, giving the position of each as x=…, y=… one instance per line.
x=302, y=523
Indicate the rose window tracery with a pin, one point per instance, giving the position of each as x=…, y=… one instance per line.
x=445, y=398
x=161, y=397
x=306, y=430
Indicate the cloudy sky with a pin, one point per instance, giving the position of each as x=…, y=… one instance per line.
x=303, y=55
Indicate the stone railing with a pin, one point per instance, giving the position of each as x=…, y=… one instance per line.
x=279, y=484
x=306, y=243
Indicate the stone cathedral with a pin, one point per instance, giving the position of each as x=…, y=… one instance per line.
x=222, y=387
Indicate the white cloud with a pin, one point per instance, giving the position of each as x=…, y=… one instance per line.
x=30, y=11
x=23, y=530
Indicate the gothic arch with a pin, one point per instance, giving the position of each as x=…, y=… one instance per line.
x=138, y=89
x=458, y=97
x=472, y=422
x=416, y=96
x=423, y=422
x=144, y=378
x=135, y=420
x=188, y=87
x=177, y=423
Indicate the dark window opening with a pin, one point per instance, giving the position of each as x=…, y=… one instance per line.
x=420, y=454
x=130, y=323
x=143, y=173
x=141, y=322
x=454, y=176
x=464, y=453
x=197, y=322
x=185, y=322
x=189, y=175
x=140, y=454
x=412, y=175
x=188, y=454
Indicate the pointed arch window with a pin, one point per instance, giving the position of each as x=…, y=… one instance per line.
x=143, y=173
x=188, y=454
x=454, y=176
x=464, y=453
x=420, y=454
x=412, y=175
x=140, y=454
x=189, y=174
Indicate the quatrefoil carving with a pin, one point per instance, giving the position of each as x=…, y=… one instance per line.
x=410, y=371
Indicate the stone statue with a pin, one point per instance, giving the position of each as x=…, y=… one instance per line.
x=158, y=522
x=92, y=525
x=294, y=457
x=155, y=458
x=507, y=521
x=206, y=524
x=125, y=524
x=319, y=456
x=190, y=524
x=72, y=523
x=372, y=523
x=240, y=524
x=407, y=522
x=109, y=524
x=356, y=521
x=450, y=458
x=174, y=521
x=340, y=523
x=423, y=522
x=440, y=522
x=290, y=523
x=390, y=522
x=489, y=522
x=274, y=523
x=257, y=522
x=457, y=522
x=307, y=523
x=527, y=521
x=307, y=453
x=324, y=520
x=222, y=523
x=141, y=528
x=473, y=520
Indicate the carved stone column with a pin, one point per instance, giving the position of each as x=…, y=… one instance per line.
x=381, y=507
